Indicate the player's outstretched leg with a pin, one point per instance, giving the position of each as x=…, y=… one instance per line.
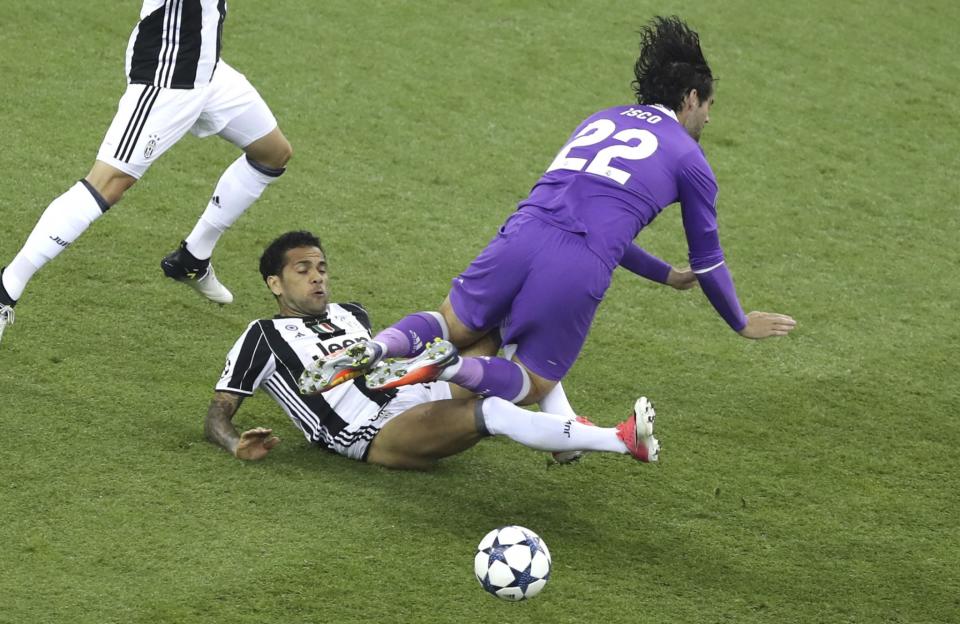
x=426, y=367
x=183, y=266
x=550, y=432
x=637, y=432
x=340, y=367
x=61, y=224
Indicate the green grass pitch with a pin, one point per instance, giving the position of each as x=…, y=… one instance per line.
x=808, y=479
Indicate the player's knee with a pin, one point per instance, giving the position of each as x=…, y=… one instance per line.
x=283, y=153
x=279, y=154
x=539, y=388
x=459, y=333
x=533, y=397
x=110, y=183
x=272, y=151
x=114, y=193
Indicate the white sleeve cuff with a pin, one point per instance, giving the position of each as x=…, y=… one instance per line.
x=707, y=270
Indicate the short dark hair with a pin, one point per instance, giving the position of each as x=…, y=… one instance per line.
x=271, y=262
x=670, y=64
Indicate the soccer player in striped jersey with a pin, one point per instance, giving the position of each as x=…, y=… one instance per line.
x=409, y=427
x=177, y=83
x=540, y=280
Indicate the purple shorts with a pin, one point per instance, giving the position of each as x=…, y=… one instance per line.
x=540, y=285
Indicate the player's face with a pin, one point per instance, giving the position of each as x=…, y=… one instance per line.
x=301, y=287
x=697, y=114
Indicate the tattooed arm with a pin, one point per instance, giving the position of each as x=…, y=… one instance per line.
x=218, y=428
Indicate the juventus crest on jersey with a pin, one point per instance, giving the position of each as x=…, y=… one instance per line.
x=273, y=353
x=176, y=44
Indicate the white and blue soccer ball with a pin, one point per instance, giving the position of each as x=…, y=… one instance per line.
x=512, y=563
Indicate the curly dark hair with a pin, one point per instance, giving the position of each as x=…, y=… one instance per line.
x=670, y=64
x=271, y=262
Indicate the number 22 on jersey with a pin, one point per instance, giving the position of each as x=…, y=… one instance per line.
x=637, y=145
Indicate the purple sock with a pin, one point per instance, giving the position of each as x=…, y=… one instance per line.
x=491, y=376
x=407, y=337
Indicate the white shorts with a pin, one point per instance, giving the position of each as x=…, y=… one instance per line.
x=150, y=120
x=358, y=435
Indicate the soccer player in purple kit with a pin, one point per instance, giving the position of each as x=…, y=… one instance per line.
x=540, y=280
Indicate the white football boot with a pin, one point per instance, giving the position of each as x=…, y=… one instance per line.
x=6, y=317
x=210, y=287
x=180, y=265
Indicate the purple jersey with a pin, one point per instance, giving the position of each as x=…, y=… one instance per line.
x=543, y=275
x=619, y=169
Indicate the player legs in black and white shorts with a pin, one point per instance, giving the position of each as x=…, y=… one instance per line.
x=355, y=440
x=148, y=122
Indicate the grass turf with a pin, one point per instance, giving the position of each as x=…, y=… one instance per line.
x=810, y=479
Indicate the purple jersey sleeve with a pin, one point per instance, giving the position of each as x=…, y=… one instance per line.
x=718, y=286
x=644, y=264
x=697, y=189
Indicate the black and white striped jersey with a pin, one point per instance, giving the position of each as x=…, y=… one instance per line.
x=176, y=44
x=272, y=354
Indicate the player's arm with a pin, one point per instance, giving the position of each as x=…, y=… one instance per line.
x=643, y=263
x=218, y=425
x=248, y=363
x=218, y=428
x=698, y=196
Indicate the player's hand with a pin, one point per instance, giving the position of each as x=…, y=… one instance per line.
x=682, y=278
x=255, y=443
x=767, y=324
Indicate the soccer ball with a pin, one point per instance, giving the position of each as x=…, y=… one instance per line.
x=512, y=563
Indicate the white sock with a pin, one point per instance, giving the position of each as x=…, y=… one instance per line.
x=239, y=186
x=547, y=432
x=64, y=220
x=555, y=402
